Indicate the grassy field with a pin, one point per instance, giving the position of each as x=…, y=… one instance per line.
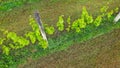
x=17, y=20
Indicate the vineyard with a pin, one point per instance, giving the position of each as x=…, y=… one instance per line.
x=16, y=48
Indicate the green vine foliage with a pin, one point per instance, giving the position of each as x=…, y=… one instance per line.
x=31, y=36
x=98, y=20
x=68, y=23
x=116, y=10
x=84, y=13
x=109, y=14
x=86, y=17
x=103, y=10
x=33, y=24
x=76, y=26
x=35, y=35
x=49, y=29
x=12, y=36
x=89, y=19
x=2, y=40
x=43, y=44
x=18, y=41
x=23, y=41
x=60, y=23
x=81, y=23
x=5, y=49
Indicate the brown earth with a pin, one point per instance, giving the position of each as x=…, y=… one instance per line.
x=100, y=52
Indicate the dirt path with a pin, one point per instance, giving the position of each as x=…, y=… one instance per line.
x=101, y=52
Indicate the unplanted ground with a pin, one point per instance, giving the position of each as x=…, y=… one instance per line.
x=100, y=52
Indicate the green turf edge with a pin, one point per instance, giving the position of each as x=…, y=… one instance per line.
x=9, y=5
